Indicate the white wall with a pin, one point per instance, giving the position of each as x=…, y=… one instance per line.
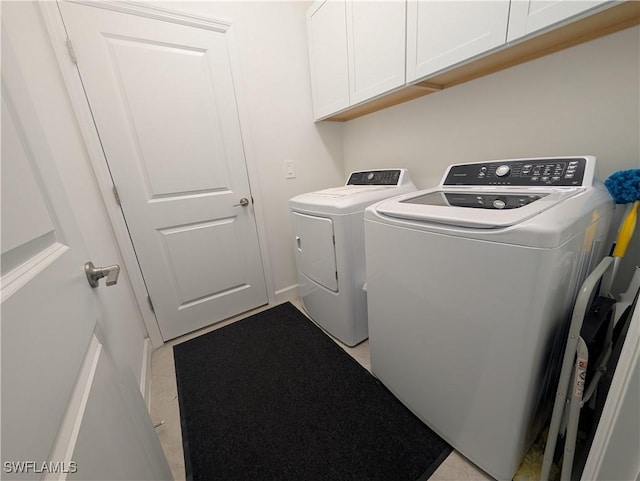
x=275, y=90
x=583, y=100
x=120, y=321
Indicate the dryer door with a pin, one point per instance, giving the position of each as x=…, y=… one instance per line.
x=315, y=249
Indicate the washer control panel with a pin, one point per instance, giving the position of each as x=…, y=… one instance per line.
x=568, y=172
x=375, y=177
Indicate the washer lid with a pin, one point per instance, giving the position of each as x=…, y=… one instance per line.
x=478, y=209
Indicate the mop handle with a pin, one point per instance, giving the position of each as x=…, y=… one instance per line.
x=626, y=230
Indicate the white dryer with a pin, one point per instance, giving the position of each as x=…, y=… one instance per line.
x=470, y=287
x=329, y=247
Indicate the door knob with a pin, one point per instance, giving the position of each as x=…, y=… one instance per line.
x=94, y=274
x=243, y=202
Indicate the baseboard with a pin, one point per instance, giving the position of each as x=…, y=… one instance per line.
x=145, y=370
x=286, y=294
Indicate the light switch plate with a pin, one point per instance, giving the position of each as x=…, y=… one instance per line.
x=289, y=171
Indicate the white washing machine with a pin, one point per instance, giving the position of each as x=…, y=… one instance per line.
x=329, y=246
x=470, y=287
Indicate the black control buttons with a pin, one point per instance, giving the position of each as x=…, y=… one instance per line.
x=377, y=177
x=571, y=170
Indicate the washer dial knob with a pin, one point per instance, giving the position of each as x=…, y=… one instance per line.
x=499, y=204
x=503, y=170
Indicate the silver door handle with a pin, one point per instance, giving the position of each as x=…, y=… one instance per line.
x=94, y=274
x=243, y=202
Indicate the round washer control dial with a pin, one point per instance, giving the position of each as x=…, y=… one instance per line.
x=503, y=170
x=499, y=204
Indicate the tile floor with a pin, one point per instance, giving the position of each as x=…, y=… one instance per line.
x=165, y=412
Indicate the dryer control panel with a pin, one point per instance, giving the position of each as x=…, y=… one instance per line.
x=375, y=177
x=547, y=172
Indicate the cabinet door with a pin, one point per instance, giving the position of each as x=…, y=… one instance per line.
x=327, y=36
x=443, y=33
x=376, y=47
x=528, y=16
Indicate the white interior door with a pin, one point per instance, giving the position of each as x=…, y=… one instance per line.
x=162, y=96
x=50, y=353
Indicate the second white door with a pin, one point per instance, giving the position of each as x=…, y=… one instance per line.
x=163, y=100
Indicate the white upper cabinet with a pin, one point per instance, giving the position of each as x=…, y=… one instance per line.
x=443, y=33
x=356, y=51
x=528, y=16
x=376, y=47
x=327, y=37
x=367, y=55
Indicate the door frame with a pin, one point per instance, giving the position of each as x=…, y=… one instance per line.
x=58, y=37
